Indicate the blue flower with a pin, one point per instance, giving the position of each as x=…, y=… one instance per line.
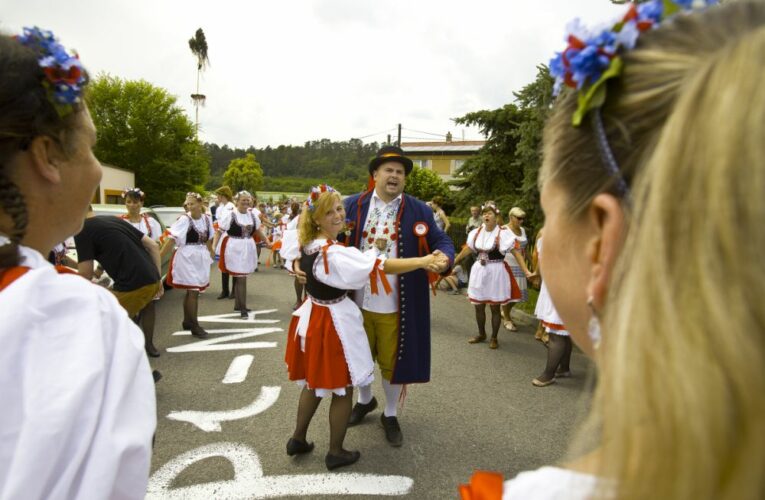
x=651, y=11
x=587, y=65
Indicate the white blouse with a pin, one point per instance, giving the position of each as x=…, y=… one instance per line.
x=77, y=392
x=243, y=219
x=180, y=228
x=485, y=241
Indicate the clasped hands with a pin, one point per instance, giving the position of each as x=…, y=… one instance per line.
x=437, y=262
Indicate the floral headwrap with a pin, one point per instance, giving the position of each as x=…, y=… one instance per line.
x=314, y=194
x=64, y=75
x=134, y=192
x=594, y=56
x=490, y=206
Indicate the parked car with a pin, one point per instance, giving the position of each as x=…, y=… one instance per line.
x=104, y=210
x=168, y=215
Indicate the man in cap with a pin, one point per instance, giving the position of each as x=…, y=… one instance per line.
x=395, y=317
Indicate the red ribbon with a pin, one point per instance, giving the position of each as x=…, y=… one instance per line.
x=377, y=273
x=424, y=249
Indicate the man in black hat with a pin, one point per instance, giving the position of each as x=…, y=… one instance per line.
x=397, y=323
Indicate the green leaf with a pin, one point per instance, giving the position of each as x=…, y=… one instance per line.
x=595, y=95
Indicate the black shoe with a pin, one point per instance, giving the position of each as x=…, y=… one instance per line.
x=198, y=331
x=186, y=325
x=295, y=447
x=152, y=351
x=245, y=314
x=392, y=430
x=335, y=461
x=223, y=295
x=360, y=411
x=157, y=376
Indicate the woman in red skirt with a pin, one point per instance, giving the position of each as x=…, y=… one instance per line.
x=327, y=348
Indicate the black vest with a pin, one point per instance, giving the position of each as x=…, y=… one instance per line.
x=193, y=237
x=314, y=287
x=238, y=231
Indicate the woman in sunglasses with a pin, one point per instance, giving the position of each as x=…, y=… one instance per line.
x=516, y=259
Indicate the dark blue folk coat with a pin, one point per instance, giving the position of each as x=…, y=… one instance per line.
x=413, y=350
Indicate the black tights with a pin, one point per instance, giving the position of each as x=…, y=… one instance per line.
x=558, y=356
x=146, y=319
x=480, y=318
x=339, y=413
x=240, y=293
x=224, y=283
x=190, y=307
x=298, y=291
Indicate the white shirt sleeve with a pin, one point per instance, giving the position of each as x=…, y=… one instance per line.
x=156, y=229
x=349, y=268
x=78, y=397
x=179, y=229
x=224, y=219
x=506, y=240
x=471, y=239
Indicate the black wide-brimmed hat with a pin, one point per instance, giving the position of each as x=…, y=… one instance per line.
x=390, y=153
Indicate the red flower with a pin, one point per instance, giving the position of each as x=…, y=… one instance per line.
x=364, y=234
x=371, y=240
x=394, y=236
x=373, y=230
x=385, y=231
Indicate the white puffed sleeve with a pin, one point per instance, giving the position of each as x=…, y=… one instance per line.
x=179, y=229
x=471, y=238
x=290, y=246
x=506, y=240
x=156, y=229
x=349, y=268
x=224, y=219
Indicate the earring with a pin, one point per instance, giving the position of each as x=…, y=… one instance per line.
x=593, y=327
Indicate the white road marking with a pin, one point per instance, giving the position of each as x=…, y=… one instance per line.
x=186, y=333
x=250, y=483
x=209, y=421
x=236, y=318
x=238, y=369
x=216, y=343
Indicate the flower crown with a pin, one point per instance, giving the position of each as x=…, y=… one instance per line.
x=314, y=194
x=194, y=195
x=593, y=57
x=133, y=191
x=241, y=193
x=490, y=206
x=64, y=75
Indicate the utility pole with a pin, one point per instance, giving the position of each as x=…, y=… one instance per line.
x=399, y=136
x=388, y=139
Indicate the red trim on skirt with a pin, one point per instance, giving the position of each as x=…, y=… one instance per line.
x=515, y=290
x=553, y=326
x=169, y=278
x=222, y=259
x=323, y=364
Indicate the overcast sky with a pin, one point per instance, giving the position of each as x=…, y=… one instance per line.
x=291, y=71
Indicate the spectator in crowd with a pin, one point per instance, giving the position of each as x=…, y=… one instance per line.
x=442, y=221
x=474, y=221
x=516, y=259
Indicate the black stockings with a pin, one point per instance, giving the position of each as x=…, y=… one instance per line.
x=558, y=356
x=480, y=318
x=190, y=307
x=240, y=293
x=224, y=283
x=147, y=318
x=339, y=413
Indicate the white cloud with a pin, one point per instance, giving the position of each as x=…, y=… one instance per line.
x=300, y=70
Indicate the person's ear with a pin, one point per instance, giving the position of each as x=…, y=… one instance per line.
x=46, y=158
x=606, y=217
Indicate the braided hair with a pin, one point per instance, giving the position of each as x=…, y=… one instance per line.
x=26, y=112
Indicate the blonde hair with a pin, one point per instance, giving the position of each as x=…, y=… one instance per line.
x=679, y=401
x=517, y=212
x=308, y=229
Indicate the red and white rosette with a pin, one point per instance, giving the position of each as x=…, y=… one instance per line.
x=421, y=230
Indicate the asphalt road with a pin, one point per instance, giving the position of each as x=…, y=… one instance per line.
x=222, y=434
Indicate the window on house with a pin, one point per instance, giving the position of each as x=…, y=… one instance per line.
x=456, y=165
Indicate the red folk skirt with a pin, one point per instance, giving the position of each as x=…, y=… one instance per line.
x=323, y=364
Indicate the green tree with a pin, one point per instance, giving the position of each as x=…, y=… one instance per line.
x=507, y=167
x=244, y=173
x=141, y=128
x=424, y=184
